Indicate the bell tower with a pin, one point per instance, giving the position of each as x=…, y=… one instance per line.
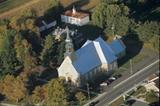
x=69, y=44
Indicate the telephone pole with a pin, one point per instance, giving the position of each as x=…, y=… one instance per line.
x=88, y=91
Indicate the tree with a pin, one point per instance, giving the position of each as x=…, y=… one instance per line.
x=48, y=51
x=151, y=97
x=39, y=94
x=8, y=60
x=99, y=15
x=81, y=98
x=148, y=30
x=24, y=53
x=57, y=95
x=13, y=88
x=106, y=15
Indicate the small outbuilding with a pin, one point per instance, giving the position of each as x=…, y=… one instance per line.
x=75, y=17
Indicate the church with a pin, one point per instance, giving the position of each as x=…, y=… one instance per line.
x=93, y=59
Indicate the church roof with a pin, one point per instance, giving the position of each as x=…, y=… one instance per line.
x=93, y=54
x=117, y=46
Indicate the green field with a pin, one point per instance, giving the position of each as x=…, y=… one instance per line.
x=10, y=4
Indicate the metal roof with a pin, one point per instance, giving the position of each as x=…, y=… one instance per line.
x=93, y=54
x=117, y=46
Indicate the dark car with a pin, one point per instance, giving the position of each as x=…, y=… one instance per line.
x=117, y=76
x=93, y=103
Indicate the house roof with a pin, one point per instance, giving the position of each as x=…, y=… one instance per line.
x=79, y=15
x=117, y=46
x=93, y=54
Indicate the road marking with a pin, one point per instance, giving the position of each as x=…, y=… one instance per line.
x=136, y=74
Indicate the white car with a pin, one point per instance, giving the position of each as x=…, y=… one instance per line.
x=103, y=84
x=112, y=78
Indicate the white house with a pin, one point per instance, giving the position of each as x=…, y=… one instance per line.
x=75, y=17
x=93, y=59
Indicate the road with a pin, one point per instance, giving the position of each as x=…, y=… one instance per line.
x=128, y=84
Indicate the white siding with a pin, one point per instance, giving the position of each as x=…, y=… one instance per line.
x=67, y=70
x=75, y=21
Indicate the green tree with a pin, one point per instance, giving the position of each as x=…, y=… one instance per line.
x=148, y=30
x=8, y=60
x=151, y=97
x=81, y=98
x=57, y=95
x=25, y=53
x=106, y=15
x=48, y=51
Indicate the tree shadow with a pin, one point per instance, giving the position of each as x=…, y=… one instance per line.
x=133, y=47
x=155, y=104
x=78, y=4
x=143, y=11
x=49, y=74
x=33, y=39
x=1, y=97
x=91, y=32
x=130, y=102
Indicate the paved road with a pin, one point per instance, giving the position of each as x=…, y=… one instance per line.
x=127, y=84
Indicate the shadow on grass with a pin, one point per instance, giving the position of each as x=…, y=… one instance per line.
x=39, y=79
x=133, y=48
x=78, y=4
x=155, y=104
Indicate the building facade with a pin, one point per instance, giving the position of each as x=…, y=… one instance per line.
x=74, y=17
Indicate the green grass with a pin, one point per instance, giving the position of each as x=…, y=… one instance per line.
x=118, y=102
x=135, y=60
x=10, y=4
x=140, y=90
x=151, y=97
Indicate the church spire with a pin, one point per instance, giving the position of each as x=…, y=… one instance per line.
x=69, y=44
x=68, y=38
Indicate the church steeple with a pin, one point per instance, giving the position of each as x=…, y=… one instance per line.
x=69, y=44
x=73, y=10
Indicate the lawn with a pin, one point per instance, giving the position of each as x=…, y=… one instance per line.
x=118, y=102
x=135, y=60
x=10, y=4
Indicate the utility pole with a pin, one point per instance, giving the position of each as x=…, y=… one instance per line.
x=88, y=91
x=131, y=68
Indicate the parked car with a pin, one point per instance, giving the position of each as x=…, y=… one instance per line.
x=117, y=76
x=108, y=82
x=103, y=84
x=112, y=78
x=93, y=103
